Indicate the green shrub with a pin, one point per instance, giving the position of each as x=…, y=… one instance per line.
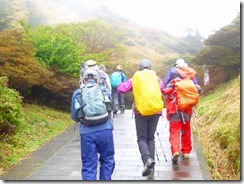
x=11, y=113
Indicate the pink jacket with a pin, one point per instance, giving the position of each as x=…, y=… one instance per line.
x=127, y=86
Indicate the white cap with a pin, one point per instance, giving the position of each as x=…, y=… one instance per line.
x=91, y=63
x=180, y=62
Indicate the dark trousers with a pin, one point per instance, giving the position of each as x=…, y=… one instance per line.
x=118, y=100
x=145, y=130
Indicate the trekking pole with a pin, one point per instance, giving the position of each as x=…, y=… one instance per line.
x=156, y=152
x=161, y=146
x=132, y=107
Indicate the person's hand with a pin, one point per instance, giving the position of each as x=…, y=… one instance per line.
x=199, y=89
x=81, y=120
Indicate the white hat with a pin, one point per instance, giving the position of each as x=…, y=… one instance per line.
x=180, y=62
x=91, y=63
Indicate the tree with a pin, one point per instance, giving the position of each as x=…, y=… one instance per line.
x=222, y=48
x=221, y=53
x=193, y=42
x=101, y=41
x=26, y=75
x=56, y=50
x=16, y=60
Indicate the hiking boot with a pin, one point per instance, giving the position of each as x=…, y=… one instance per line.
x=148, y=167
x=150, y=176
x=115, y=110
x=185, y=155
x=122, y=111
x=175, y=157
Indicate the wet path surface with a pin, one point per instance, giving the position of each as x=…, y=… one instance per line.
x=60, y=158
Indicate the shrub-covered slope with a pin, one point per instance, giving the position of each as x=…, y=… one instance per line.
x=217, y=126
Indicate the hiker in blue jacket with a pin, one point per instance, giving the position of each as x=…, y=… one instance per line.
x=96, y=140
x=116, y=78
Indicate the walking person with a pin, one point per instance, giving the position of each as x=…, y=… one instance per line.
x=179, y=117
x=116, y=78
x=148, y=109
x=83, y=68
x=96, y=128
x=102, y=68
x=103, y=81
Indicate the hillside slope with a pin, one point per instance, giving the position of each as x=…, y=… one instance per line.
x=142, y=42
x=217, y=126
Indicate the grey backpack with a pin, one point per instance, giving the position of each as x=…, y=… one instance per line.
x=94, y=106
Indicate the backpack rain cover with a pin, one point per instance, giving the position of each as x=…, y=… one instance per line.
x=147, y=93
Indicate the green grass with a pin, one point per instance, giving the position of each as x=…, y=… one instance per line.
x=217, y=126
x=41, y=125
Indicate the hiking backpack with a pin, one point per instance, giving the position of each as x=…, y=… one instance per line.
x=187, y=93
x=116, y=79
x=147, y=93
x=94, y=106
x=186, y=72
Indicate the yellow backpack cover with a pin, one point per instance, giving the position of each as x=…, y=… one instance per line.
x=147, y=93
